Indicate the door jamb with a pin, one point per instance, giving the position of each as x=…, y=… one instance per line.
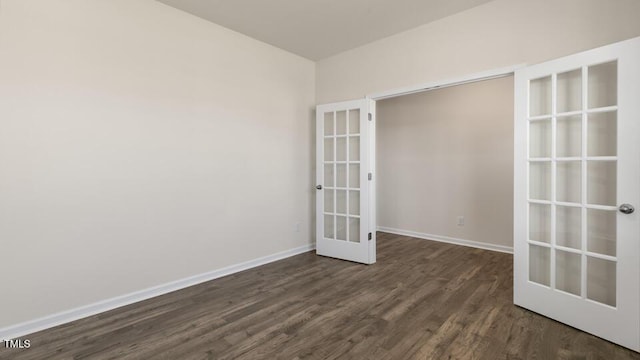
x=439, y=84
x=433, y=85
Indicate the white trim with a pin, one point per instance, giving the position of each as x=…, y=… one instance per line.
x=448, y=240
x=373, y=219
x=29, y=327
x=439, y=84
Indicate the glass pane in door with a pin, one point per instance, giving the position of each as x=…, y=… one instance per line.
x=540, y=223
x=354, y=148
x=328, y=226
x=569, y=226
x=540, y=96
x=569, y=91
x=329, y=193
x=539, y=264
x=354, y=229
x=341, y=122
x=568, y=181
x=354, y=121
x=353, y=182
x=341, y=201
x=328, y=175
x=568, y=269
x=601, y=280
x=603, y=85
x=341, y=149
x=328, y=123
x=329, y=196
x=569, y=136
x=354, y=202
x=601, y=231
x=342, y=155
x=572, y=181
x=540, y=139
x=602, y=134
x=354, y=176
x=341, y=175
x=540, y=180
x=341, y=228
x=601, y=182
x=328, y=149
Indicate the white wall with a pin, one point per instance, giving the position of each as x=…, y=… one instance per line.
x=494, y=35
x=447, y=153
x=141, y=145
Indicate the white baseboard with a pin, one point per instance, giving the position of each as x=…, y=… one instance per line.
x=449, y=240
x=29, y=327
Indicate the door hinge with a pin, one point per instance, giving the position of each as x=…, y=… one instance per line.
x=370, y=116
x=370, y=236
x=370, y=176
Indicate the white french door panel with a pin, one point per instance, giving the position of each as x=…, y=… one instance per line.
x=577, y=162
x=345, y=156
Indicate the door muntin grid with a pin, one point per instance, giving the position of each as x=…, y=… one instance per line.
x=572, y=176
x=342, y=169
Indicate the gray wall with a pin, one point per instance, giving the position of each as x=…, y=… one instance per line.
x=447, y=153
x=141, y=145
x=493, y=35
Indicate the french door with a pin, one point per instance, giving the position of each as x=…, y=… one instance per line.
x=345, y=228
x=577, y=180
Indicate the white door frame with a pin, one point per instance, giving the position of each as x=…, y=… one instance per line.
x=433, y=85
x=439, y=84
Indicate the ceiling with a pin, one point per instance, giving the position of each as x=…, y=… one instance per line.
x=316, y=29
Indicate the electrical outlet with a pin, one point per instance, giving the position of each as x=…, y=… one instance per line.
x=460, y=220
x=297, y=227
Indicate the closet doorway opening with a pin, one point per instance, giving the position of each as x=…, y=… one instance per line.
x=444, y=164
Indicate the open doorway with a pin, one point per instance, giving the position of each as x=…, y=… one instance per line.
x=444, y=162
x=346, y=160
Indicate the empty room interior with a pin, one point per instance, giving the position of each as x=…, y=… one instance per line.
x=361, y=179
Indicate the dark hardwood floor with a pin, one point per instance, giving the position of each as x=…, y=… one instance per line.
x=421, y=300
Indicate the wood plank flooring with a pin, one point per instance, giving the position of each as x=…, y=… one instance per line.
x=421, y=300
